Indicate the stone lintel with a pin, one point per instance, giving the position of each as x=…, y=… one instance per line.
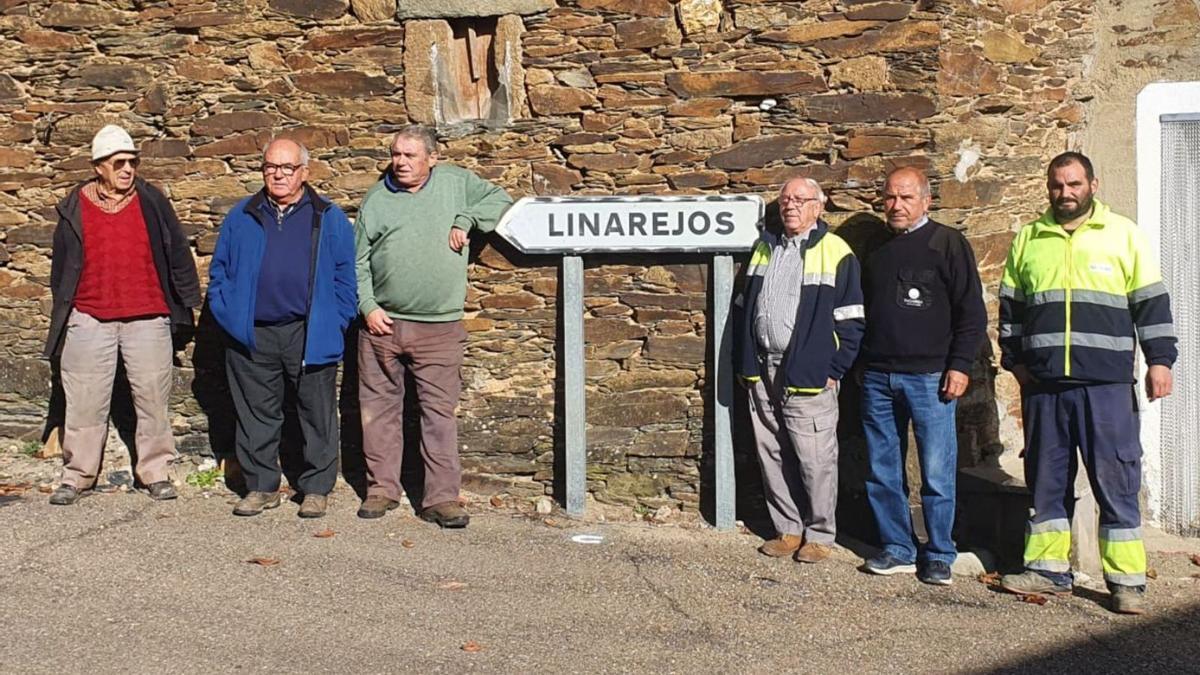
x=452, y=9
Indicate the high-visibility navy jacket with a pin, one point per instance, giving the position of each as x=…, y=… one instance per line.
x=1072, y=304
x=829, y=320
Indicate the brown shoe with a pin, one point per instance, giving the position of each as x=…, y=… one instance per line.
x=784, y=544
x=375, y=506
x=446, y=514
x=812, y=552
x=255, y=502
x=313, y=506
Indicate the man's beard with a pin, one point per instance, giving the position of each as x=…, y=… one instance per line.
x=1065, y=214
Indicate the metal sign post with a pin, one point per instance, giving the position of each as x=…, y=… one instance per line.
x=569, y=226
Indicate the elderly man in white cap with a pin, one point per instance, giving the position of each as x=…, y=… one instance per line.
x=122, y=278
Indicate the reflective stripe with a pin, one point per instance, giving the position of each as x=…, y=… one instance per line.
x=1125, y=579
x=1047, y=297
x=1048, y=565
x=848, y=312
x=1008, y=330
x=1056, y=525
x=1100, y=298
x=1158, y=330
x=805, y=390
x=1146, y=292
x=1094, y=340
x=817, y=279
x=1122, y=534
x=1012, y=293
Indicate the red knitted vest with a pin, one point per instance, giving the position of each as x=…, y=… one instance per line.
x=119, y=280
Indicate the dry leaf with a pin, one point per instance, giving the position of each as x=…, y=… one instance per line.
x=989, y=578
x=407, y=543
x=496, y=501
x=45, y=489
x=452, y=585
x=472, y=646
x=14, y=488
x=1195, y=558
x=1196, y=575
x=264, y=562
x=1033, y=598
x=551, y=522
x=324, y=534
x=163, y=516
x=1151, y=573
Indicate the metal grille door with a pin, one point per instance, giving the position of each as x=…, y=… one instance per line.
x=1180, y=236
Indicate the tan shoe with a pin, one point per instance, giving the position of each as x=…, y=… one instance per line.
x=313, y=506
x=254, y=503
x=812, y=552
x=784, y=544
x=447, y=515
x=376, y=506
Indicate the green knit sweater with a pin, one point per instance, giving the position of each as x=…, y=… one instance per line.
x=405, y=264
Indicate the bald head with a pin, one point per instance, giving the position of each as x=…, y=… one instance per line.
x=906, y=197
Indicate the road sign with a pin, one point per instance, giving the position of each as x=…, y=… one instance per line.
x=568, y=225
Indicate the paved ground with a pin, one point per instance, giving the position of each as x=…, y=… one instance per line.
x=119, y=583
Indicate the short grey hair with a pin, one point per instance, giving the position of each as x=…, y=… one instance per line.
x=419, y=132
x=812, y=183
x=303, y=150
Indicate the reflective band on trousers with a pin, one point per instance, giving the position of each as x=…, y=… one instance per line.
x=1123, y=556
x=1095, y=340
x=1048, y=545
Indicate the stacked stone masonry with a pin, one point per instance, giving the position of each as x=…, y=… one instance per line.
x=603, y=97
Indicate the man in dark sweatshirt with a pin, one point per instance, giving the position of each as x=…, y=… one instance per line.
x=925, y=324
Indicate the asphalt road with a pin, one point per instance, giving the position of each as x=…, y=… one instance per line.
x=119, y=583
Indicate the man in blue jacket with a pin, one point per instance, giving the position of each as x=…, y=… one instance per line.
x=283, y=287
x=803, y=323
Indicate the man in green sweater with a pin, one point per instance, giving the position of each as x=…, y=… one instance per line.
x=412, y=241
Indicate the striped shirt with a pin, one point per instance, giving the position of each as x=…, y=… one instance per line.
x=775, y=315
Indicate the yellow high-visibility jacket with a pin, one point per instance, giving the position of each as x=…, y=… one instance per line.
x=1072, y=305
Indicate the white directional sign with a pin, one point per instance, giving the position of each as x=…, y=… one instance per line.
x=626, y=224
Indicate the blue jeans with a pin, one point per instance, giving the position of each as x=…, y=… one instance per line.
x=890, y=400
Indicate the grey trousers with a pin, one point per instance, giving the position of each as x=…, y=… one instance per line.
x=796, y=439
x=89, y=364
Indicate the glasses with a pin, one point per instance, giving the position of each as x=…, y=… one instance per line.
x=118, y=164
x=282, y=169
x=802, y=201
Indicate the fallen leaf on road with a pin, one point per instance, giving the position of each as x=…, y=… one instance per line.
x=14, y=488
x=496, y=501
x=1151, y=573
x=1033, y=599
x=1196, y=558
x=1196, y=575
x=452, y=585
x=163, y=516
x=45, y=489
x=324, y=534
x=472, y=646
x=989, y=578
x=407, y=543
x=264, y=562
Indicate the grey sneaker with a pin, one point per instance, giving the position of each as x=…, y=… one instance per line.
x=1128, y=600
x=255, y=502
x=1032, y=583
x=313, y=506
x=64, y=495
x=162, y=490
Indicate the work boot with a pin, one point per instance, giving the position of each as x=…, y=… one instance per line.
x=162, y=490
x=1032, y=583
x=313, y=506
x=783, y=545
x=255, y=502
x=447, y=514
x=1128, y=599
x=375, y=506
x=812, y=552
x=64, y=495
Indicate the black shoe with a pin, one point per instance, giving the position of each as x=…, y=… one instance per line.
x=64, y=495
x=162, y=490
x=886, y=565
x=936, y=572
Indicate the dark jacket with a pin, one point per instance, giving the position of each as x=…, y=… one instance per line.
x=829, y=320
x=333, y=289
x=168, y=246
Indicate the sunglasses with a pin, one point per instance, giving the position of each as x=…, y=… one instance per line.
x=118, y=164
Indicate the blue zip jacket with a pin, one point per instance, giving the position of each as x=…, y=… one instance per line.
x=333, y=289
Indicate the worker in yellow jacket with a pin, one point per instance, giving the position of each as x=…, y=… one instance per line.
x=1081, y=287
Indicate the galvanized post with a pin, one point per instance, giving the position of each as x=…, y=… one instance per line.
x=722, y=379
x=575, y=400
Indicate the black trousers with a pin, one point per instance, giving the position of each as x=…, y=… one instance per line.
x=259, y=383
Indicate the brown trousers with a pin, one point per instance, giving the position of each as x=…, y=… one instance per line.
x=433, y=353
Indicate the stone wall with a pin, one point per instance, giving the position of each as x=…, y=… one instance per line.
x=604, y=96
